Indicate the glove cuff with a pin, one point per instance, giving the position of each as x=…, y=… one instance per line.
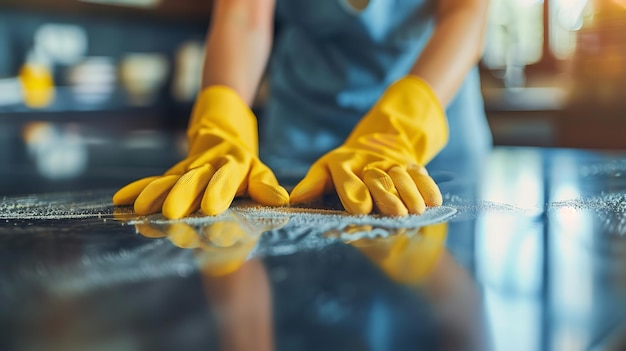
x=408, y=107
x=221, y=107
x=416, y=100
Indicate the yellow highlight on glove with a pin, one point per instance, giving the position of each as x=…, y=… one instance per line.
x=222, y=163
x=382, y=161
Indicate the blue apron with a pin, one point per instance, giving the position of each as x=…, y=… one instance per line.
x=330, y=64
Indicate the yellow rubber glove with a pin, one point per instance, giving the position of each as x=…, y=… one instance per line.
x=222, y=163
x=406, y=257
x=383, y=158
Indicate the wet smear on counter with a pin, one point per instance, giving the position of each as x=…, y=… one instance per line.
x=469, y=208
x=153, y=260
x=286, y=230
x=310, y=217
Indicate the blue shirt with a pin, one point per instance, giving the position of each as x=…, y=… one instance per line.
x=332, y=62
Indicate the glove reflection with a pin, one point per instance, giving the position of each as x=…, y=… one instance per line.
x=407, y=256
x=221, y=244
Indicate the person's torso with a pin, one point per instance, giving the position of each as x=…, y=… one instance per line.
x=331, y=61
x=337, y=54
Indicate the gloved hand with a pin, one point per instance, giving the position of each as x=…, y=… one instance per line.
x=222, y=163
x=383, y=158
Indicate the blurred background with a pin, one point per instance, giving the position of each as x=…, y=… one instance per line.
x=96, y=93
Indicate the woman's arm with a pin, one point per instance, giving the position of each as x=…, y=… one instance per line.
x=238, y=45
x=455, y=46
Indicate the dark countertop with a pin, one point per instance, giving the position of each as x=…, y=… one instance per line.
x=534, y=258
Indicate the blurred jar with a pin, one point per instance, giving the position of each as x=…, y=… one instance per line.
x=59, y=152
x=142, y=75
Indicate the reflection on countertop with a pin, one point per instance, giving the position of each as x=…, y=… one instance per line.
x=44, y=157
x=531, y=257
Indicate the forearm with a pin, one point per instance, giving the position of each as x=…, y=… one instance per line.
x=455, y=46
x=238, y=45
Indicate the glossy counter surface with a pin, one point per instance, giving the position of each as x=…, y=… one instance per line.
x=532, y=257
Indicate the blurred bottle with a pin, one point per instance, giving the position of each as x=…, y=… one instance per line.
x=37, y=83
x=188, y=65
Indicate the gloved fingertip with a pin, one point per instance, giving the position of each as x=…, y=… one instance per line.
x=145, y=209
x=305, y=191
x=427, y=187
x=436, y=201
x=127, y=194
x=184, y=198
x=121, y=198
x=268, y=194
x=416, y=205
x=358, y=210
x=212, y=207
x=419, y=209
x=172, y=211
x=151, y=198
x=391, y=209
x=316, y=182
x=172, y=214
x=359, y=207
x=432, y=195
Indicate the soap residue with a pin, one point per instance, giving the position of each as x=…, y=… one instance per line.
x=98, y=204
x=57, y=206
x=287, y=230
x=610, y=209
x=467, y=208
x=615, y=168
